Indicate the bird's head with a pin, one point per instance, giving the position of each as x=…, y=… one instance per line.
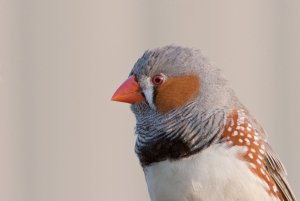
x=168, y=83
x=168, y=78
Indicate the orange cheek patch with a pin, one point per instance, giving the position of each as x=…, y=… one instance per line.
x=176, y=92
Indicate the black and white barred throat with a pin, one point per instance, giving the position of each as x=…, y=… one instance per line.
x=180, y=133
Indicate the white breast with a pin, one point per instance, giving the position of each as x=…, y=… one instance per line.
x=215, y=174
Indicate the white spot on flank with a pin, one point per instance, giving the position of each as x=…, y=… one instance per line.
x=241, y=141
x=261, y=151
x=258, y=161
x=249, y=136
x=262, y=171
x=268, y=178
x=241, y=134
x=256, y=143
x=253, y=150
x=275, y=188
x=229, y=129
x=235, y=133
x=250, y=155
x=247, y=141
x=260, y=157
x=248, y=128
x=253, y=165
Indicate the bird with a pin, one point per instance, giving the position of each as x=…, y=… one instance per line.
x=195, y=140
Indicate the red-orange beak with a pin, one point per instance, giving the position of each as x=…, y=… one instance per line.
x=128, y=92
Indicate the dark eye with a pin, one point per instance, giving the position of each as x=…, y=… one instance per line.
x=158, y=79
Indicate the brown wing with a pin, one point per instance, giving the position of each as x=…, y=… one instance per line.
x=278, y=173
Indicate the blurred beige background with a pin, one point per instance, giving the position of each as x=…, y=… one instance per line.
x=61, y=138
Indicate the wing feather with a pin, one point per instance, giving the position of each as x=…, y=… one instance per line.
x=278, y=173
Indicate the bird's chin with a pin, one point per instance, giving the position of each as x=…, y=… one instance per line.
x=141, y=108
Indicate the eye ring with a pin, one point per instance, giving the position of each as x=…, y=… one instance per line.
x=158, y=79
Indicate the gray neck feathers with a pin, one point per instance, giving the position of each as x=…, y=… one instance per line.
x=179, y=133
